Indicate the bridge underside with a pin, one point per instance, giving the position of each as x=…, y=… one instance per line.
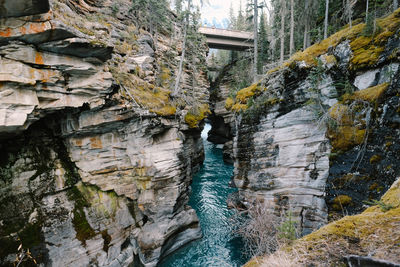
x=227, y=39
x=228, y=44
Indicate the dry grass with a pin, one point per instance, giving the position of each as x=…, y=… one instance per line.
x=375, y=232
x=281, y=259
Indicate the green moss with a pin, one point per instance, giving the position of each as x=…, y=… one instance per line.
x=375, y=159
x=82, y=227
x=345, y=137
x=155, y=99
x=374, y=229
x=343, y=200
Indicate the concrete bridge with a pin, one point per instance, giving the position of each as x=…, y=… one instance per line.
x=228, y=39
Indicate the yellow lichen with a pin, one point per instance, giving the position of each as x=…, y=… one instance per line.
x=316, y=50
x=244, y=94
x=274, y=70
x=239, y=107
x=359, y=43
x=330, y=59
x=229, y=103
x=197, y=115
x=371, y=94
x=365, y=57
x=381, y=38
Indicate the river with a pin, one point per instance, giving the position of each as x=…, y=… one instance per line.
x=218, y=247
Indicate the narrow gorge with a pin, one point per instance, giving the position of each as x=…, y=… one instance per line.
x=104, y=159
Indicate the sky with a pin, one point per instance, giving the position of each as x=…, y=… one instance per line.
x=216, y=13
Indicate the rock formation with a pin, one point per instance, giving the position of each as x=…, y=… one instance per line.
x=319, y=134
x=97, y=158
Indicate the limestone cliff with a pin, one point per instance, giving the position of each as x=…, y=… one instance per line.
x=221, y=119
x=97, y=157
x=320, y=134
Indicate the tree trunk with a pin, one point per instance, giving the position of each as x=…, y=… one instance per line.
x=291, y=46
x=349, y=9
x=395, y=4
x=326, y=19
x=306, y=25
x=178, y=77
x=255, y=40
x=272, y=37
x=282, y=30
x=367, y=13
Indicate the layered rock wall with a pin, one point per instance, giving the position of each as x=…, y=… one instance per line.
x=97, y=158
x=318, y=135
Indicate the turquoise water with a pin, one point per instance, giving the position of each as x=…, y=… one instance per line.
x=218, y=247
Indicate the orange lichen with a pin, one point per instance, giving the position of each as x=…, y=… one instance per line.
x=95, y=143
x=37, y=27
x=6, y=33
x=78, y=142
x=39, y=58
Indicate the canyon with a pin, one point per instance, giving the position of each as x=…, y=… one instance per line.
x=99, y=151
